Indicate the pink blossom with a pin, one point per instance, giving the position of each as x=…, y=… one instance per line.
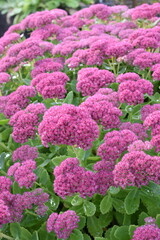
x=68, y=124
x=115, y=143
x=148, y=231
x=103, y=176
x=102, y=111
x=63, y=224
x=4, y=213
x=5, y=184
x=127, y=76
x=139, y=145
x=24, y=153
x=147, y=109
x=4, y=77
x=90, y=80
x=24, y=122
x=136, y=169
x=132, y=92
x=23, y=173
x=137, y=128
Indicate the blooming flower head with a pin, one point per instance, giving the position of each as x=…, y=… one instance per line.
x=63, y=224
x=102, y=111
x=68, y=124
x=136, y=169
x=115, y=143
x=5, y=184
x=24, y=122
x=90, y=80
x=23, y=173
x=4, y=77
x=24, y=153
x=149, y=231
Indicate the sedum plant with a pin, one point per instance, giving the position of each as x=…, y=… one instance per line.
x=80, y=125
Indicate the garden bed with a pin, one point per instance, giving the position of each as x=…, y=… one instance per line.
x=79, y=125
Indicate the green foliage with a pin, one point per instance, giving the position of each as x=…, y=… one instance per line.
x=19, y=9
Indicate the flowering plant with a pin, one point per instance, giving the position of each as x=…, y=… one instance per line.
x=80, y=125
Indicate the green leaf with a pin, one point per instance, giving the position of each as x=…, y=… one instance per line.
x=131, y=230
x=158, y=220
x=93, y=227
x=45, y=163
x=2, y=159
x=112, y=233
x=5, y=134
x=72, y=3
x=69, y=98
x=82, y=222
x=43, y=176
x=119, y=205
x=127, y=219
x=122, y=233
x=76, y=201
x=15, y=230
x=89, y=208
x=4, y=121
x=132, y=201
x=76, y=235
x=16, y=188
x=86, y=236
x=114, y=190
x=54, y=202
x=141, y=218
x=25, y=234
x=29, y=220
x=106, y=204
x=105, y=219
x=43, y=235
x=99, y=238
x=57, y=160
x=35, y=236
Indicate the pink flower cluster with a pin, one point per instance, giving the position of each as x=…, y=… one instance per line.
x=17, y=100
x=103, y=176
x=139, y=145
x=147, y=109
x=130, y=76
x=4, y=77
x=90, y=80
x=5, y=184
x=70, y=178
x=51, y=85
x=152, y=121
x=23, y=173
x=145, y=38
x=63, y=224
x=24, y=122
x=148, y=231
x=145, y=11
x=132, y=92
x=115, y=143
x=25, y=152
x=68, y=124
x=29, y=49
x=156, y=72
x=102, y=110
x=13, y=205
x=39, y=19
x=137, y=128
x=136, y=169
x=46, y=65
